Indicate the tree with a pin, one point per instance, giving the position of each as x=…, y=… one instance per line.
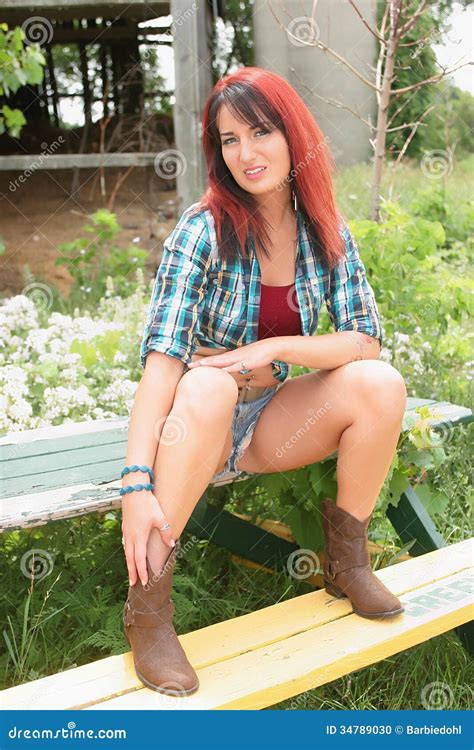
x=20, y=64
x=401, y=24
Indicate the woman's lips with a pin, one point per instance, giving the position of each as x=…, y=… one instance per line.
x=255, y=176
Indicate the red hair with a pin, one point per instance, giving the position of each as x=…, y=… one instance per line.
x=255, y=95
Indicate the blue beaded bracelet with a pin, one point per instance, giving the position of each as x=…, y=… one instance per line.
x=135, y=467
x=131, y=488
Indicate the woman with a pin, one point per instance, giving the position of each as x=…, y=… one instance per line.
x=244, y=273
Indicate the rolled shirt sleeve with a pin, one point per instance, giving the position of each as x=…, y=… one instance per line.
x=350, y=299
x=179, y=290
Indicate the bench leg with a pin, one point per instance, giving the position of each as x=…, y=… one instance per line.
x=411, y=520
x=239, y=536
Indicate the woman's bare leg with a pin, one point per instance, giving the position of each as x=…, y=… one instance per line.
x=195, y=442
x=356, y=409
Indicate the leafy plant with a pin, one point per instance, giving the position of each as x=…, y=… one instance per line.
x=91, y=259
x=19, y=65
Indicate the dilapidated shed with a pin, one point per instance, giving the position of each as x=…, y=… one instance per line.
x=120, y=31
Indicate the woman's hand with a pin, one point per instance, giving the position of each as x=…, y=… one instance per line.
x=141, y=512
x=260, y=378
x=257, y=355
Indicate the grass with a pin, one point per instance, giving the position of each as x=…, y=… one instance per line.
x=353, y=186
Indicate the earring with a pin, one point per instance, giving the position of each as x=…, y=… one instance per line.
x=294, y=201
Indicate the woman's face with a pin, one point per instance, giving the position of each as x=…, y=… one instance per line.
x=244, y=148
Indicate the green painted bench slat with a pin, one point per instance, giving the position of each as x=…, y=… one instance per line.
x=62, y=438
x=95, y=464
x=239, y=536
x=411, y=520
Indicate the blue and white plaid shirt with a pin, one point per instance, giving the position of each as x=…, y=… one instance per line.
x=200, y=299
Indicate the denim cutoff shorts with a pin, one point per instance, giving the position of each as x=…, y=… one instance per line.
x=246, y=414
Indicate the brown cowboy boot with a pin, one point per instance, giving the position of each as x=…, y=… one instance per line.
x=159, y=658
x=347, y=569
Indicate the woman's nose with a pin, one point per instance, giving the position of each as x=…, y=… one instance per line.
x=246, y=152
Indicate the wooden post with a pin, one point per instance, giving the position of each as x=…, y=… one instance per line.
x=85, y=83
x=105, y=78
x=53, y=84
x=191, y=31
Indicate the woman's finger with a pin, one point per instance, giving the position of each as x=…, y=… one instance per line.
x=140, y=561
x=130, y=560
x=166, y=534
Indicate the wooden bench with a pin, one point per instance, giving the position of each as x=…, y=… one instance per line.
x=71, y=470
x=278, y=652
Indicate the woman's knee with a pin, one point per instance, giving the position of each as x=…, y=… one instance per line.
x=378, y=384
x=206, y=386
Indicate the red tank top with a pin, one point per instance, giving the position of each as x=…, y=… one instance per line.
x=279, y=312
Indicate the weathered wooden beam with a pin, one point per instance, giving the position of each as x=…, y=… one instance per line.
x=93, y=6
x=97, y=36
x=14, y=13
x=70, y=161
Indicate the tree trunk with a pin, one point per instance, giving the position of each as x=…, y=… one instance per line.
x=382, y=114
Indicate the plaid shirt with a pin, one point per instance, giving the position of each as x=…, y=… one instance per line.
x=199, y=299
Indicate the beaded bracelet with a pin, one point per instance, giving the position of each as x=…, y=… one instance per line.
x=131, y=488
x=135, y=467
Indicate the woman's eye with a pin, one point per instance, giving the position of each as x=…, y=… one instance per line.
x=228, y=140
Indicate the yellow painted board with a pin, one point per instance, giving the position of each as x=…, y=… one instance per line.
x=302, y=662
x=83, y=686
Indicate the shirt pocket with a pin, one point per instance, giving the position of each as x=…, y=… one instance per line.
x=226, y=295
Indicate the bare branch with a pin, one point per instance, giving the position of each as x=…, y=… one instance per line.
x=415, y=128
x=381, y=56
x=417, y=41
x=432, y=79
x=383, y=25
x=332, y=102
x=403, y=31
x=410, y=124
x=403, y=104
x=366, y=24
